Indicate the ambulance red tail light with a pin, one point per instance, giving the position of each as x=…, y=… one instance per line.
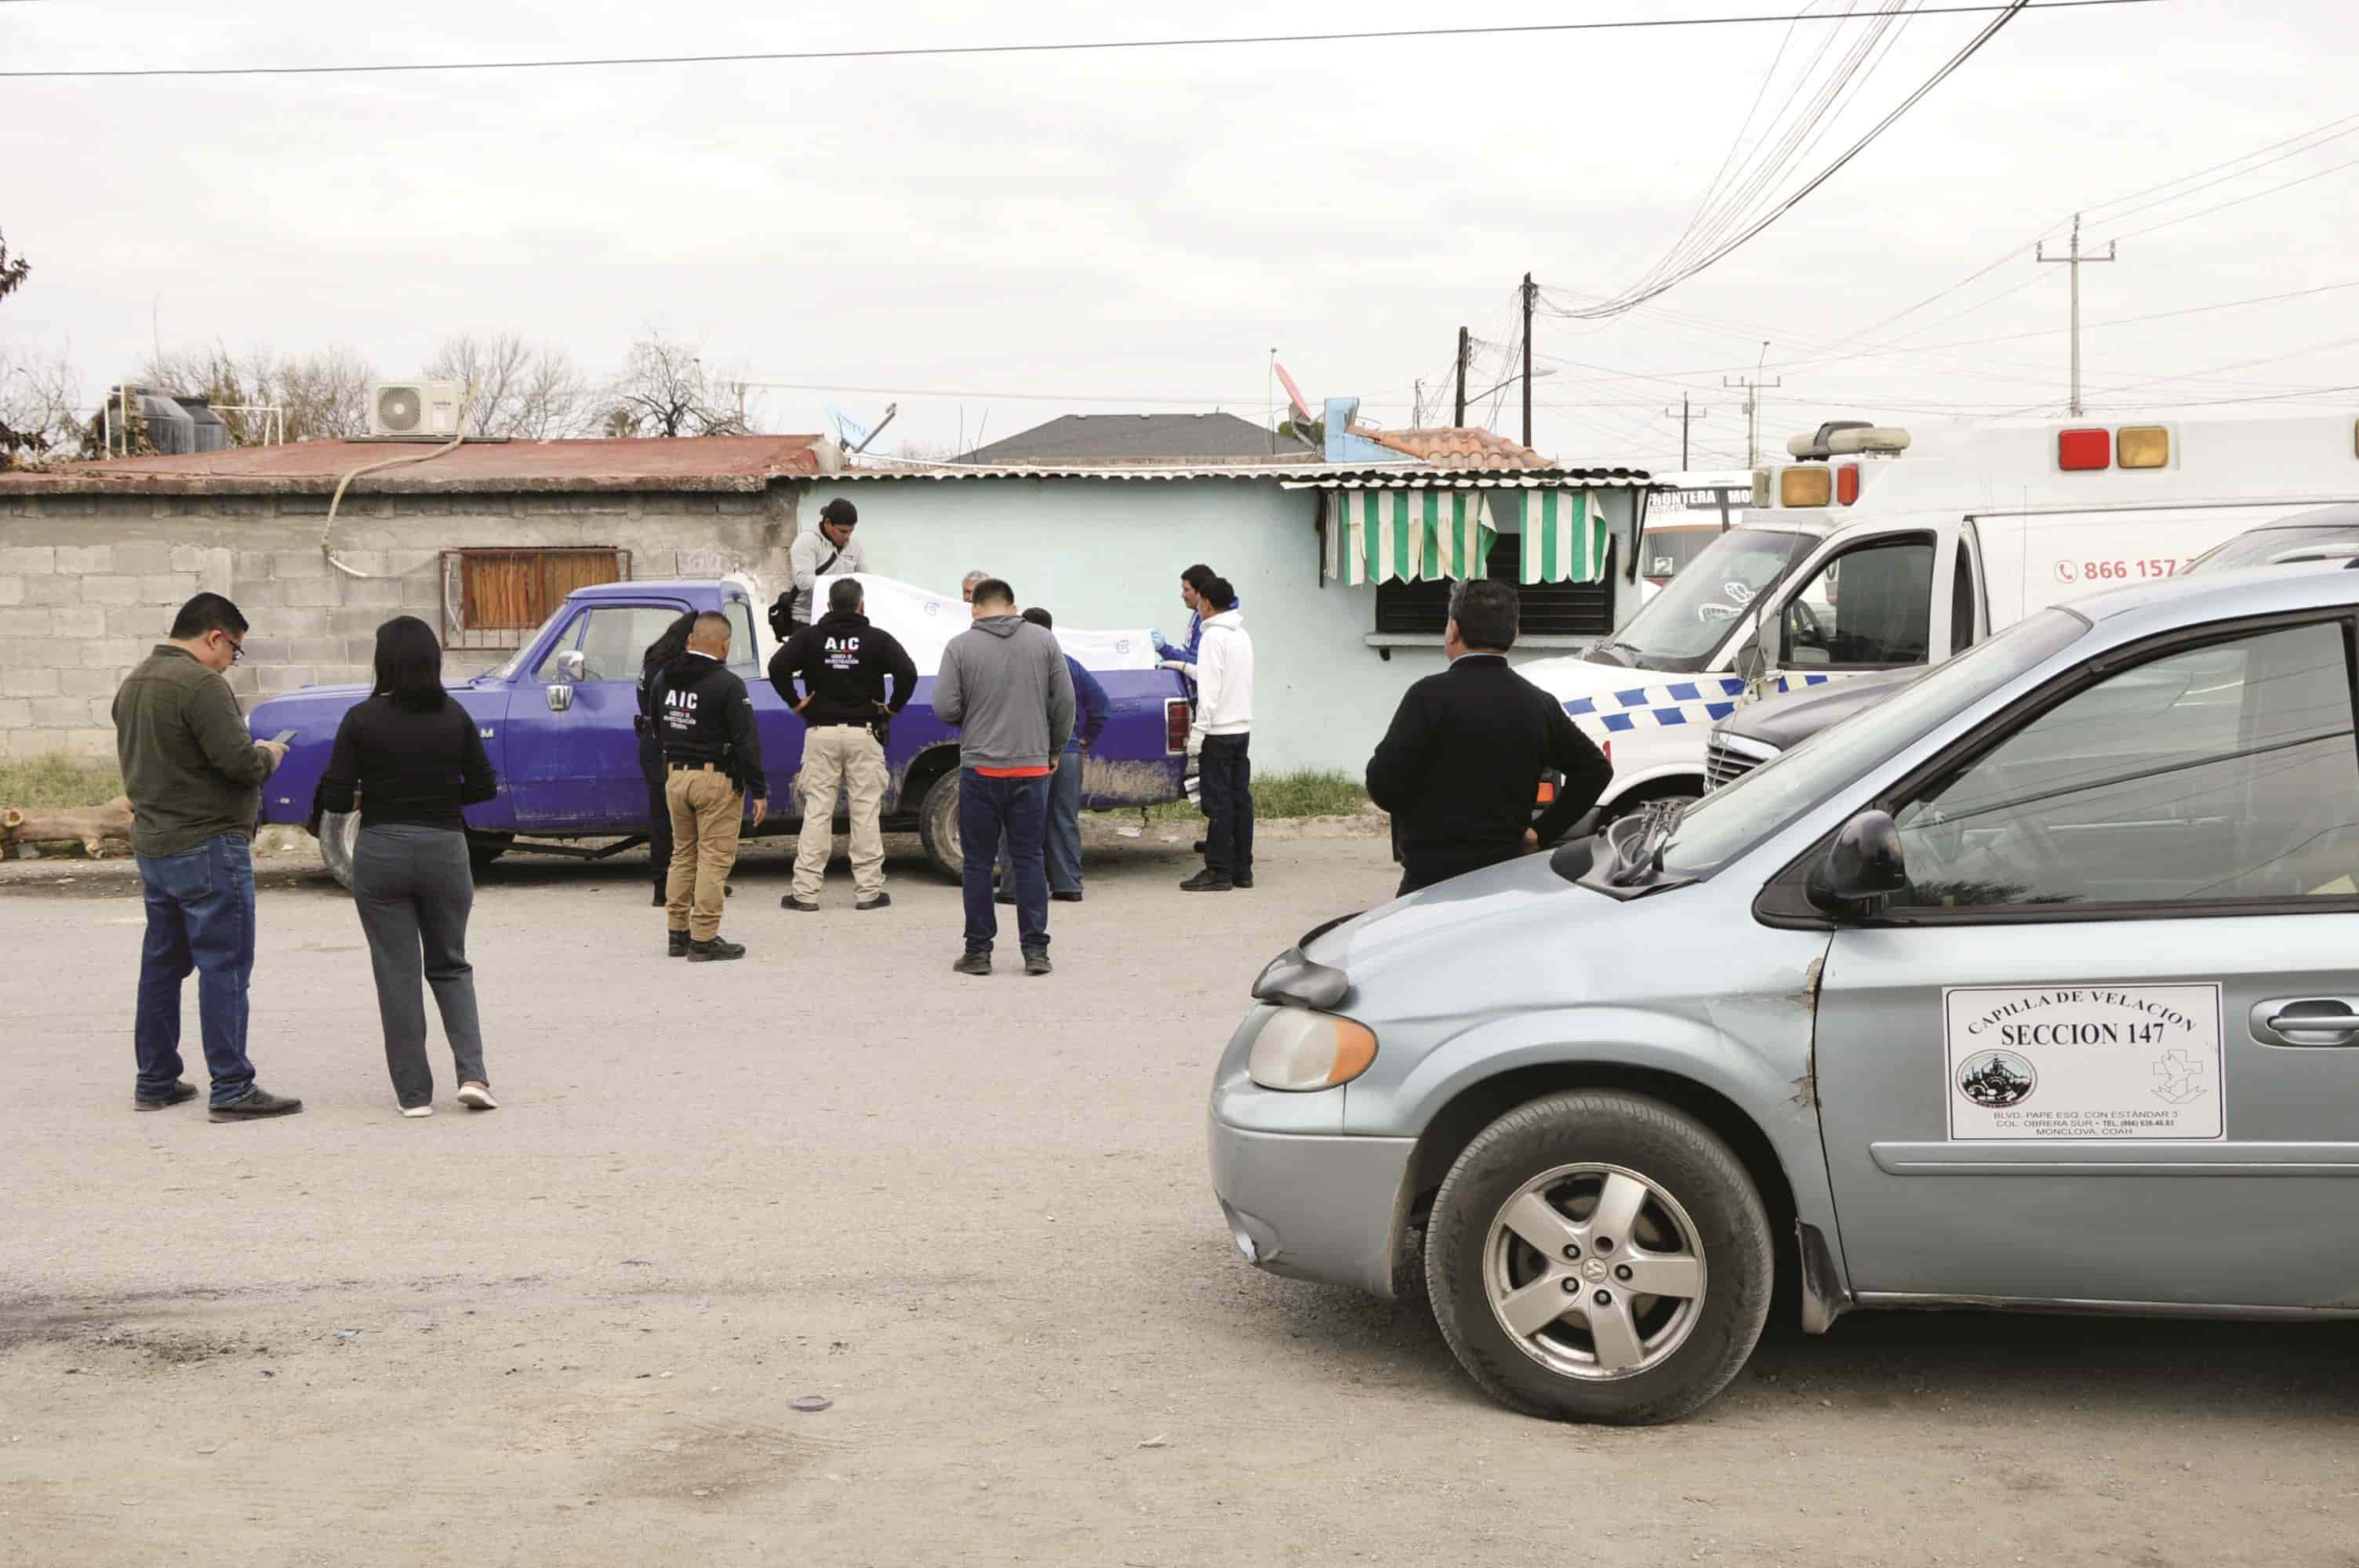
x=2080, y=449
x=2143, y=447
x=1847, y=484
x=1178, y=720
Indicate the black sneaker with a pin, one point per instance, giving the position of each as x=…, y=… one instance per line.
x=257, y=1104
x=1207, y=881
x=676, y=944
x=1036, y=963
x=1066, y=897
x=798, y=905
x=180, y=1093
x=1003, y=898
x=1241, y=881
x=662, y=898
x=715, y=951
x=972, y=963
x=882, y=901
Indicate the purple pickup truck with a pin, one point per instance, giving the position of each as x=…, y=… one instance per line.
x=557, y=720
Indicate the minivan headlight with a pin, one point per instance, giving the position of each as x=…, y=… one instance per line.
x=1299, y=1051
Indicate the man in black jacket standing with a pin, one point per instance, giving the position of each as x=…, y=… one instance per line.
x=713, y=760
x=1460, y=769
x=842, y=663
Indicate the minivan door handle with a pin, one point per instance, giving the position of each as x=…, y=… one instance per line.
x=2307, y=1021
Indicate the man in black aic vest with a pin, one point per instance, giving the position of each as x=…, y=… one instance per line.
x=712, y=758
x=1460, y=769
x=842, y=663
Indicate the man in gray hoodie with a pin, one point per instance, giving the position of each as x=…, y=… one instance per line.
x=1003, y=682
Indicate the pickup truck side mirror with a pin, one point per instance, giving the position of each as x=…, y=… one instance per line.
x=572, y=665
x=1862, y=867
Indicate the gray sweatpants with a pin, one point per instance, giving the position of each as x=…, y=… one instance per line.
x=414, y=888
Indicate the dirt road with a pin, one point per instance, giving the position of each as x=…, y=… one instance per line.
x=973, y=1214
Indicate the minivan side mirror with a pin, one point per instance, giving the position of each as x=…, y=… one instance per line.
x=1862, y=867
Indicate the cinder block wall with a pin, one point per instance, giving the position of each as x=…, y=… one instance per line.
x=89, y=583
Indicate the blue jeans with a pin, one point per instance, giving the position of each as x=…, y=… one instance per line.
x=1064, y=830
x=200, y=917
x=1018, y=808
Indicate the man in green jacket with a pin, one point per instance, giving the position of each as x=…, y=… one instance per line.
x=195, y=775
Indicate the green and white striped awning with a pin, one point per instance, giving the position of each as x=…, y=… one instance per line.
x=1564, y=537
x=1419, y=535
x=1378, y=535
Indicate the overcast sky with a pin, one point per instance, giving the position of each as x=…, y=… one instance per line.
x=1147, y=226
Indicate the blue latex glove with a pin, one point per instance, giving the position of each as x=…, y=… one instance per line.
x=1155, y=635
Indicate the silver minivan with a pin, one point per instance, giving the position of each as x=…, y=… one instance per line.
x=2036, y=985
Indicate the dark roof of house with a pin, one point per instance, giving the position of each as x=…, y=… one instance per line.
x=689, y=463
x=1099, y=438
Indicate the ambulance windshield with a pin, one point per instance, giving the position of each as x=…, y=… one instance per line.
x=1682, y=627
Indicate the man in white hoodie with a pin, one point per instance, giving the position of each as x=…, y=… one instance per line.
x=1222, y=733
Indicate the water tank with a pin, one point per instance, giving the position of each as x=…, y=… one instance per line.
x=170, y=428
x=211, y=433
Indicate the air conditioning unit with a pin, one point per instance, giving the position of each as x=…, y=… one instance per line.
x=414, y=408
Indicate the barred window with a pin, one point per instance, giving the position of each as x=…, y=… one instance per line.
x=493, y=598
x=1547, y=608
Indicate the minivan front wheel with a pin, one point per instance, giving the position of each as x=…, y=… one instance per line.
x=1601, y=1257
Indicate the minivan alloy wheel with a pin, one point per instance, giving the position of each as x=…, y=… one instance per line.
x=1595, y=1271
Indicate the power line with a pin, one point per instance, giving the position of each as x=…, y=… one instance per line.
x=2009, y=8
x=1638, y=296
x=2239, y=202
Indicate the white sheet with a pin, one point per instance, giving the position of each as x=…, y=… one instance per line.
x=925, y=622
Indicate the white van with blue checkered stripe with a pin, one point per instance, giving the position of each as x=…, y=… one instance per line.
x=1864, y=564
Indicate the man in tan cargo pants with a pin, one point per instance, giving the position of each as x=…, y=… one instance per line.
x=713, y=763
x=842, y=664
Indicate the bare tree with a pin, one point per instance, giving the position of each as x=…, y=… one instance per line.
x=665, y=390
x=40, y=397
x=518, y=389
x=27, y=415
x=324, y=395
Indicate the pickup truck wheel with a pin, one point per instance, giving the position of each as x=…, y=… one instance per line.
x=937, y=825
x=1600, y=1256
x=339, y=837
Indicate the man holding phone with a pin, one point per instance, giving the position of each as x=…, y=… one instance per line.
x=194, y=774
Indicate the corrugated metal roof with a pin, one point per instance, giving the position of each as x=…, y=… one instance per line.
x=744, y=463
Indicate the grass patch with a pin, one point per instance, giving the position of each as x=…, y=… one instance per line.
x=57, y=780
x=1311, y=792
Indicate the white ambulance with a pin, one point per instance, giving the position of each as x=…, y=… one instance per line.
x=1860, y=562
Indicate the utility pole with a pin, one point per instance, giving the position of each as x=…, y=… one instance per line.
x=1684, y=417
x=2075, y=260
x=1530, y=294
x=1458, y=418
x=1753, y=386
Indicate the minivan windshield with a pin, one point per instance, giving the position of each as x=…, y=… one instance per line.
x=1682, y=627
x=1730, y=821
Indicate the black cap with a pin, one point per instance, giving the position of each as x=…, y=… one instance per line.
x=840, y=511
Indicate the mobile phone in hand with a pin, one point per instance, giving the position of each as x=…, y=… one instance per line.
x=282, y=738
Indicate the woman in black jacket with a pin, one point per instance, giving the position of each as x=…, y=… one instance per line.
x=664, y=652
x=411, y=756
